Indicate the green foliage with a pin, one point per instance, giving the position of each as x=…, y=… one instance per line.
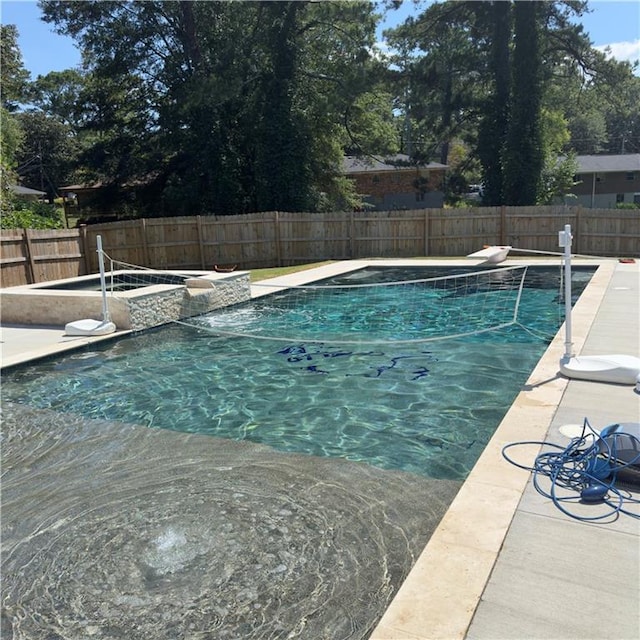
x=556, y=178
x=600, y=104
x=460, y=78
x=218, y=107
x=230, y=107
x=32, y=215
x=59, y=95
x=371, y=126
x=495, y=121
x=439, y=80
x=13, y=76
x=10, y=140
x=47, y=152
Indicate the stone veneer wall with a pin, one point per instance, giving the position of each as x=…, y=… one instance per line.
x=144, y=312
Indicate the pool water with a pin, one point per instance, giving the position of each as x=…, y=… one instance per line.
x=297, y=520
x=426, y=408
x=118, y=281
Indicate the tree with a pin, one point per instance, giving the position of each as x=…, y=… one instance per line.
x=440, y=77
x=59, y=94
x=220, y=107
x=620, y=99
x=523, y=152
x=495, y=122
x=497, y=101
x=46, y=153
x=559, y=165
x=13, y=78
x=283, y=170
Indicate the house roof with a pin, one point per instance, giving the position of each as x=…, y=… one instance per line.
x=398, y=162
x=609, y=164
x=133, y=182
x=19, y=190
x=81, y=187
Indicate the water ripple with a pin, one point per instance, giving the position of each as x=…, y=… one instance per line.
x=113, y=531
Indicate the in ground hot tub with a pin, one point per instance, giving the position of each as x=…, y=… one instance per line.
x=118, y=281
x=135, y=300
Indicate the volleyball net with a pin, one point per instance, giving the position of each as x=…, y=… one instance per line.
x=346, y=310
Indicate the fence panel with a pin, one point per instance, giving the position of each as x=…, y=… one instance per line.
x=460, y=232
x=536, y=228
x=173, y=243
x=16, y=267
x=604, y=234
x=246, y=241
x=121, y=241
x=387, y=234
x=312, y=237
x=279, y=239
x=34, y=255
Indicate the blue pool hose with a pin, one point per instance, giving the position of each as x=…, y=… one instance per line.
x=588, y=468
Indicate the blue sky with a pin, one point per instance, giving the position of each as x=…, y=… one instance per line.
x=612, y=23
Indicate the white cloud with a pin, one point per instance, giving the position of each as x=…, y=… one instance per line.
x=629, y=51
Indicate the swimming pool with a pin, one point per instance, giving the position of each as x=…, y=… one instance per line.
x=109, y=525
x=428, y=408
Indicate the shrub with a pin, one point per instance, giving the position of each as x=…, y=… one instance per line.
x=33, y=215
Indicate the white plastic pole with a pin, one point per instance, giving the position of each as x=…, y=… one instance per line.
x=567, y=292
x=103, y=284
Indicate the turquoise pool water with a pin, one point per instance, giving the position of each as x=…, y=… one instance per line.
x=426, y=408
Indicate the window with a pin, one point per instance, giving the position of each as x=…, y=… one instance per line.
x=619, y=197
x=599, y=177
x=631, y=175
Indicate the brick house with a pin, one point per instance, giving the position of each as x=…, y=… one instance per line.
x=396, y=183
x=604, y=181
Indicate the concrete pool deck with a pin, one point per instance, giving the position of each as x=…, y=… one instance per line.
x=504, y=562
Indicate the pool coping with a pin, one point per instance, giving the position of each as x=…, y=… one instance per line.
x=439, y=597
x=137, y=308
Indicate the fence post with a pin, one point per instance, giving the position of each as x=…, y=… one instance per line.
x=427, y=219
x=200, y=241
x=576, y=235
x=276, y=220
x=85, y=249
x=145, y=246
x=503, y=221
x=31, y=272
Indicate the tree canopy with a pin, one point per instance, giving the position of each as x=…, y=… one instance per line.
x=224, y=107
x=230, y=107
x=494, y=75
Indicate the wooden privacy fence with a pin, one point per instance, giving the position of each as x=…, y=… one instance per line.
x=282, y=239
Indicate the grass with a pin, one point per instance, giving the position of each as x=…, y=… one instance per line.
x=273, y=272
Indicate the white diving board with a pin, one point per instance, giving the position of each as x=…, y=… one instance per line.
x=493, y=254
